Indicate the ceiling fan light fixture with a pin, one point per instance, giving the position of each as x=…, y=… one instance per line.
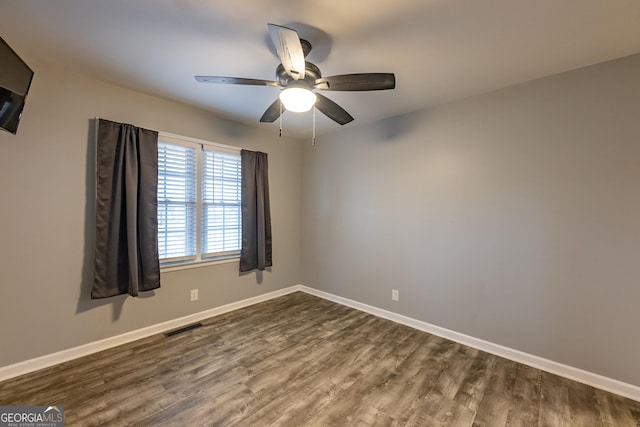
x=299, y=79
x=297, y=99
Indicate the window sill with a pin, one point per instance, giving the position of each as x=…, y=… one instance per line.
x=189, y=265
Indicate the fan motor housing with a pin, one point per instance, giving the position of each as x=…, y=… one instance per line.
x=311, y=74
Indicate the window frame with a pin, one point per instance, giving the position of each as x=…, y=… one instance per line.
x=198, y=260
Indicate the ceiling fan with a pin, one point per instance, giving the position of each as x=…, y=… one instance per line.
x=299, y=80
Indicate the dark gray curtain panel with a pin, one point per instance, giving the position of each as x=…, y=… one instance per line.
x=126, y=259
x=256, y=217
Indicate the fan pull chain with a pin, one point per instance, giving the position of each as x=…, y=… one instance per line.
x=280, y=118
x=313, y=141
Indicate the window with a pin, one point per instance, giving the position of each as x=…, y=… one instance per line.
x=199, y=211
x=177, y=201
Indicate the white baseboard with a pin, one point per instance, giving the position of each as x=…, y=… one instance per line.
x=614, y=386
x=31, y=365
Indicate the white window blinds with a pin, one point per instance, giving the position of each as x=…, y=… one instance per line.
x=177, y=201
x=199, y=211
x=221, y=216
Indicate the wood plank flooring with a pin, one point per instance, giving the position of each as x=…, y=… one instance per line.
x=299, y=360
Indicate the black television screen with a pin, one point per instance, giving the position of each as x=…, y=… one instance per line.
x=15, y=80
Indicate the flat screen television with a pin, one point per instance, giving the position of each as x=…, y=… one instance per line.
x=15, y=80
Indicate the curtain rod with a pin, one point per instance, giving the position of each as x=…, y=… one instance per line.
x=188, y=139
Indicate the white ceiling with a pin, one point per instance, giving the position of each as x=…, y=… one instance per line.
x=440, y=50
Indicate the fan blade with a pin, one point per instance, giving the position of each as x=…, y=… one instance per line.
x=236, y=81
x=332, y=110
x=272, y=113
x=357, y=82
x=289, y=48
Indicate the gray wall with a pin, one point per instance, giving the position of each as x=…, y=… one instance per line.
x=512, y=216
x=46, y=219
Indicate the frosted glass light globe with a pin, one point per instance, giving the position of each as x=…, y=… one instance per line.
x=297, y=99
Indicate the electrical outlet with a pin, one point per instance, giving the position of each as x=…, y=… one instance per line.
x=194, y=294
x=395, y=295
